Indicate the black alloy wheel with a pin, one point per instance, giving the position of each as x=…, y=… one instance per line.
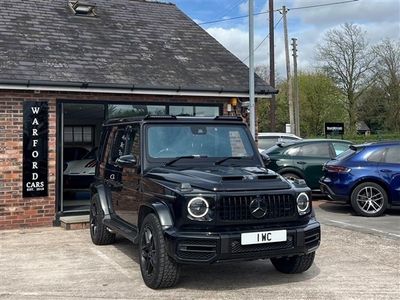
x=158, y=269
x=98, y=232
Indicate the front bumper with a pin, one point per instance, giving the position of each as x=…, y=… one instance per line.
x=211, y=247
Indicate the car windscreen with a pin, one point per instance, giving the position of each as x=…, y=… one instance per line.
x=346, y=154
x=202, y=140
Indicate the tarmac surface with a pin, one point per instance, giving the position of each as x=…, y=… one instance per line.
x=351, y=263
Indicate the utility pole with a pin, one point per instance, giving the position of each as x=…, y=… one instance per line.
x=251, y=70
x=272, y=107
x=289, y=81
x=296, y=89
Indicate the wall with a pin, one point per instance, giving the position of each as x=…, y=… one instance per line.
x=19, y=212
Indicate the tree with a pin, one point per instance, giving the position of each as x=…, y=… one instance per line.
x=348, y=60
x=388, y=80
x=320, y=103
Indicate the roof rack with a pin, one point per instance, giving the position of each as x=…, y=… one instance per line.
x=228, y=118
x=159, y=117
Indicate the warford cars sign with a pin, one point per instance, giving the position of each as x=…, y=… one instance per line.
x=36, y=127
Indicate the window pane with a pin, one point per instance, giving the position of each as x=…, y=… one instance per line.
x=87, y=134
x=393, y=155
x=206, y=111
x=181, y=110
x=68, y=135
x=376, y=156
x=196, y=139
x=134, y=110
x=340, y=147
x=316, y=150
x=77, y=134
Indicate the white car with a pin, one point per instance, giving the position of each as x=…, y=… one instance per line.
x=268, y=139
x=79, y=174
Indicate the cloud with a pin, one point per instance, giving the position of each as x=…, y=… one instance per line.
x=379, y=19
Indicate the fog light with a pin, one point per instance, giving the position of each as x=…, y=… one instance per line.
x=198, y=207
x=303, y=203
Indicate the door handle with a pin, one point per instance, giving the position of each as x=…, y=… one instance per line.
x=386, y=171
x=301, y=162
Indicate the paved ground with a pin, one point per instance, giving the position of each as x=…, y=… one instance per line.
x=53, y=263
x=341, y=215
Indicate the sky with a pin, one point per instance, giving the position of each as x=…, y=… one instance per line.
x=378, y=18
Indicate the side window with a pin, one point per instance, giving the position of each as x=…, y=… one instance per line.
x=118, y=146
x=292, y=151
x=133, y=141
x=376, y=156
x=340, y=148
x=393, y=155
x=316, y=150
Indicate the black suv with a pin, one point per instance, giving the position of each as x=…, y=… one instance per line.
x=191, y=190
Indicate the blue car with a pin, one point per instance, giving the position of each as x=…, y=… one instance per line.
x=366, y=176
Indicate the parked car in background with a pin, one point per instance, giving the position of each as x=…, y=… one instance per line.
x=79, y=174
x=366, y=176
x=268, y=139
x=304, y=159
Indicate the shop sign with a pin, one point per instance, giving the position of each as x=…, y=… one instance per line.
x=334, y=128
x=35, y=143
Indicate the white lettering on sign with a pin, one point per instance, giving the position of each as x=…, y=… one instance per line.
x=34, y=165
x=35, y=176
x=35, y=142
x=35, y=154
x=35, y=121
x=34, y=132
x=35, y=110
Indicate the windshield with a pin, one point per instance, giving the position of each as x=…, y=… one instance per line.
x=200, y=140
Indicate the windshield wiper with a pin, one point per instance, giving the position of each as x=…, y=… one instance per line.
x=218, y=162
x=182, y=157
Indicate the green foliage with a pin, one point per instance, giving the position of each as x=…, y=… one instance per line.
x=319, y=103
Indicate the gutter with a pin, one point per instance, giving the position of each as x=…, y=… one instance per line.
x=85, y=87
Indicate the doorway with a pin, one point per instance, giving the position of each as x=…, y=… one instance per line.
x=80, y=126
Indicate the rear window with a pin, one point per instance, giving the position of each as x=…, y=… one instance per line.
x=346, y=154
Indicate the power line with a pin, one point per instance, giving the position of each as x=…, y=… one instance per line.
x=265, y=38
x=230, y=8
x=265, y=12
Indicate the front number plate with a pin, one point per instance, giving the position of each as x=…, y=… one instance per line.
x=263, y=237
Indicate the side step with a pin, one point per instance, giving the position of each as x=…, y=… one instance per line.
x=127, y=231
x=75, y=222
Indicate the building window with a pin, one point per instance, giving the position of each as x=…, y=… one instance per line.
x=79, y=135
x=124, y=110
x=198, y=111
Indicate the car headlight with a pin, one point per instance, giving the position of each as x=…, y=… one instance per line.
x=198, y=207
x=303, y=203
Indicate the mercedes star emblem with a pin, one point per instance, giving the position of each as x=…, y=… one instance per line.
x=258, y=207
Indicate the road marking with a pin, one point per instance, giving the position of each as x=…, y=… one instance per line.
x=111, y=262
x=367, y=228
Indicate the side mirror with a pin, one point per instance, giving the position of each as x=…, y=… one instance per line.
x=265, y=158
x=126, y=161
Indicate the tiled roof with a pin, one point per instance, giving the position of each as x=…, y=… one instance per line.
x=136, y=43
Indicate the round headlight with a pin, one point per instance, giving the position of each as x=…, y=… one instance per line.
x=303, y=202
x=198, y=207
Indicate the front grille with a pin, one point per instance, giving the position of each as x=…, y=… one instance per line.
x=196, y=249
x=237, y=248
x=237, y=208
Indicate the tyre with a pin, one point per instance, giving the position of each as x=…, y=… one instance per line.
x=99, y=233
x=294, y=264
x=158, y=269
x=369, y=199
x=291, y=176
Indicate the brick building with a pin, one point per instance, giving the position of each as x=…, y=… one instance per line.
x=76, y=65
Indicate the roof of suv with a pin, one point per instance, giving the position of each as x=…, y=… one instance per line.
x=174, y=119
